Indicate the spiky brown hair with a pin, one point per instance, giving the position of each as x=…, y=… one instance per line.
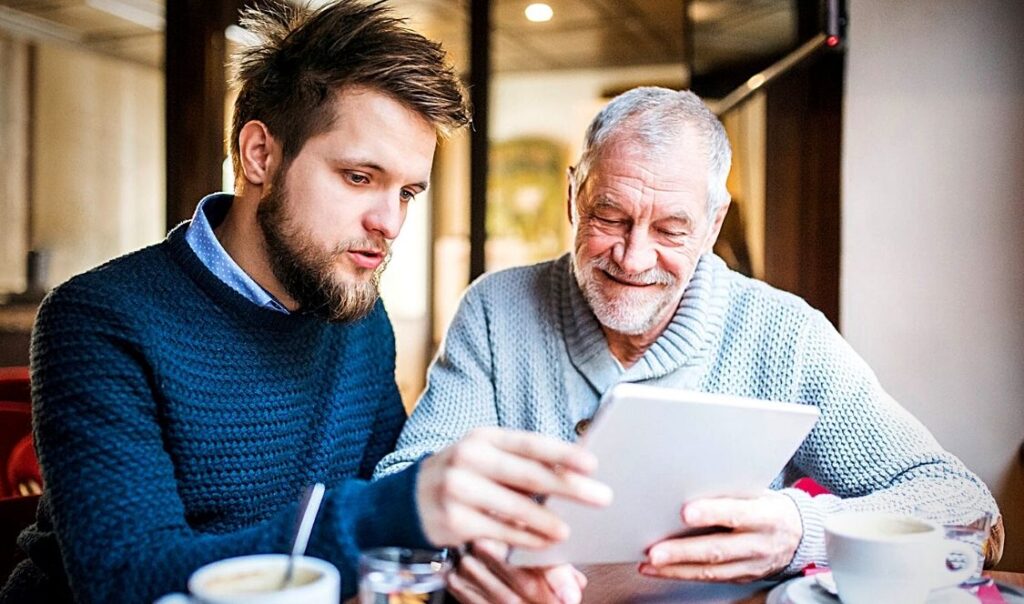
x=303, y=57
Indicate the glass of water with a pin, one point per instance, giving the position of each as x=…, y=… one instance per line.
x=968, y=524
x=394, y=575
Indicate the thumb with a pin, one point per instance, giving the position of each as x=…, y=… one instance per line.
x=564, y=582
x=581, y=579
x=495, y=550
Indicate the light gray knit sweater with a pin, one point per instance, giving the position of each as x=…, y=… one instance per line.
x=525, y=351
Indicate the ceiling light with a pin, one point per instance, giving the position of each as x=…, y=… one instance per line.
x=539, y=12
x=144, y=13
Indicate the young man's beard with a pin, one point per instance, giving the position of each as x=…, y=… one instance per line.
x=306, y=271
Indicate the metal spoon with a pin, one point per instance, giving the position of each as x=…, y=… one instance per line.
x=312, y=497
x=827, y=583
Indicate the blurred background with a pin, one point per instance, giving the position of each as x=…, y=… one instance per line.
x=880, y=178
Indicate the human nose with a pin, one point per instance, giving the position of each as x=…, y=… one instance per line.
x=386, y=216
x=636, y=252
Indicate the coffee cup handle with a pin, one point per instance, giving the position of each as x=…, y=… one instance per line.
x=955, y=577
x=175, y=599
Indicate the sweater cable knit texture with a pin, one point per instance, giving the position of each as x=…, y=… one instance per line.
x=525, y=351
x=177, y=423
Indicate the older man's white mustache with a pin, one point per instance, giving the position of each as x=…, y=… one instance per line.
x=653, y=276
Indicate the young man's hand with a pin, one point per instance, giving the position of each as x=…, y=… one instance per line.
x=482, y=577
x=482, y=487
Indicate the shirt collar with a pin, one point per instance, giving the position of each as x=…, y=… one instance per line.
x=203, y=241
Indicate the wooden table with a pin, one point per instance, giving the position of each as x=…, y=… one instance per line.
x=620, y=583
x=1014, y=579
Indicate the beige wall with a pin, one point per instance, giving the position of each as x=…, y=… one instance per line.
x=14, y=115
x=933, y=224
x=98, y=186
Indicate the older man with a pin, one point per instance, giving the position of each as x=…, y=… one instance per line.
x=642, y=298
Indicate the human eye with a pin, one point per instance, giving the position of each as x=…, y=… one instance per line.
x=672, y=233
x=608, y=219
x=673, y=237
x=357, y=178
x=408, y=195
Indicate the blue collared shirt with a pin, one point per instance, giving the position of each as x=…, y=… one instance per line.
x=201, y=238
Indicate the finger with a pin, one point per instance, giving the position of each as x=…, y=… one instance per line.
x=736, y=572
x=496, y=550
x=507, y=506
x=473, y=524
x=715, y=549
x=530, y=476
x=581, y=579
x=563, y=581
x=486, y=582
x=542, y=448
x=727, y=512
x=465, y=592
x=528, y=583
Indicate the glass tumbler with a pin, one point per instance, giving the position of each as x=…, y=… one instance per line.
x=394, y=575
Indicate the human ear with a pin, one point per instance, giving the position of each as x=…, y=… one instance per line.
x=716, y=227
x=257, y=151
x=569, y=195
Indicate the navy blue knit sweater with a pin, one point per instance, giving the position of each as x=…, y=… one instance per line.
x=177, y=423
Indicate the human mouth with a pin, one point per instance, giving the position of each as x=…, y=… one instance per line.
x=622, y=280
x=368, y=259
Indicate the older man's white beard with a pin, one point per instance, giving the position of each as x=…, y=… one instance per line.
x=630, y=311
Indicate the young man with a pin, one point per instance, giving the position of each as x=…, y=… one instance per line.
x=186, y=393
x=642, y=298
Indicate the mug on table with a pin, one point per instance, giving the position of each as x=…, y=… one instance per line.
x=258, y=579
x=879, y=557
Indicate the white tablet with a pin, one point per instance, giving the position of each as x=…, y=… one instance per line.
x=658, y=448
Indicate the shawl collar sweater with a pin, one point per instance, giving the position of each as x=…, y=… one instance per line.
x=525, y=351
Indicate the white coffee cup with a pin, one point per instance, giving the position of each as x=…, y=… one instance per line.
x=257, y=580
x=879, y=557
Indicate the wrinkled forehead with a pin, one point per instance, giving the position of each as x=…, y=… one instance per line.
x=680, y=142
x=681, y=160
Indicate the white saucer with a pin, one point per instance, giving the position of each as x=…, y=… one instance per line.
x=805, y=590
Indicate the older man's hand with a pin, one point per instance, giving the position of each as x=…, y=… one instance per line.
x=763, y=536
x=483, y=577
x=481, y=487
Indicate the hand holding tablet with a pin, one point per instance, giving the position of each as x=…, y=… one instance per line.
x=659, y=448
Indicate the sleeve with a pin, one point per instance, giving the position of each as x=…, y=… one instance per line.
x=867, y=450
x=387, y=425
x=460, y=392
x=390, y=416
x=111, y=492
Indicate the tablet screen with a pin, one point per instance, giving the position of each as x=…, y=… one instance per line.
x=659, y=448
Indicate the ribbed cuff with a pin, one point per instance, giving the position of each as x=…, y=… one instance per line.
x=389, y=514
x=812, y=543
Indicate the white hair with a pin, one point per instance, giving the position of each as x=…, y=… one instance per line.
x=657, y=118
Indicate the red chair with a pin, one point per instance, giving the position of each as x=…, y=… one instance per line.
x=20, y=479
x=17, y=456
x=23, y=475
x=14, y=385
